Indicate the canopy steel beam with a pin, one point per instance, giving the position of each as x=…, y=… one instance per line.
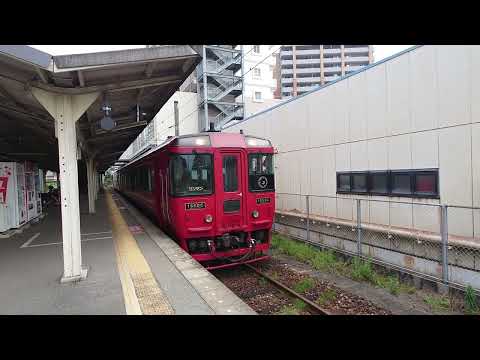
x=112, y=87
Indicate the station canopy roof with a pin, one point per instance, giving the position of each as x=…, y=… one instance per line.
x=135, y=84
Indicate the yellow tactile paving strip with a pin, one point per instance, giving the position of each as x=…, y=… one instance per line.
x=140, y=289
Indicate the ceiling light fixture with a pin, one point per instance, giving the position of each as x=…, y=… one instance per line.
x=107, y=122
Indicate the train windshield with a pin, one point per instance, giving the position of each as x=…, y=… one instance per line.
x=260, y=172
x=191, y=174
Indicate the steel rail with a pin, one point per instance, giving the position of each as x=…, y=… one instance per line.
x=311, y=304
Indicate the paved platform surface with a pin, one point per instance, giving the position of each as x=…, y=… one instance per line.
x=31, y=266
x=189, y=287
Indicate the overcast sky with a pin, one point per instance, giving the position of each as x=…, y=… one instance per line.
x=380, y=51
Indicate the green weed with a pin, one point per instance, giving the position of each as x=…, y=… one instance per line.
x=288, y=310
x=362, y=270
x=295, y=309
x=299, y=305
x=304, y=285
x=438, y=303
x=320, y=260
x=470, y=301
x=327, y=297
x=326, y=260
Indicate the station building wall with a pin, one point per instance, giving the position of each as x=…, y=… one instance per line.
x=420, y=109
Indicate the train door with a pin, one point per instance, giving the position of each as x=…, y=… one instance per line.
x=230, y=191
x=162, y=192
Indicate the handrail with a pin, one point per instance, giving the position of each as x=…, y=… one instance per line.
x=394, y=230
x=368, y=200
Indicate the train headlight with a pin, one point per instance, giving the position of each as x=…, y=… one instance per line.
x=208, y=218
x=255, y=214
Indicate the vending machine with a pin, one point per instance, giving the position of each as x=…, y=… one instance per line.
x=20, y=213
x=31, y=197
x=13, y=212
x=6, y=195
x=39, y=188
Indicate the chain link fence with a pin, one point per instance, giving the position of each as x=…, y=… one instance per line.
x=463, y=244
x=437, y=242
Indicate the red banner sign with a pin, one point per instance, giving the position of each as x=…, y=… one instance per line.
x=3, y=189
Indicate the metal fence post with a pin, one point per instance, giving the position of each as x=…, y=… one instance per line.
x=308, y=217
x=444, y=229
x=359, y=228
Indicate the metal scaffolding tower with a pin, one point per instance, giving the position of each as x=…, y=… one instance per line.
x=219, y=85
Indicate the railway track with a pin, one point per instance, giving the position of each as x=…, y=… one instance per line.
x=266, y=295
x=276, y=287
x=314, y=308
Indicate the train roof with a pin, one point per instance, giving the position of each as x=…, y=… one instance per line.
x=217, y=140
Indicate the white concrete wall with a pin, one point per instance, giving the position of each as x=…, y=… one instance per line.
x=187, y=114
x=252, y=107
x=163, y=124
x=418, y=110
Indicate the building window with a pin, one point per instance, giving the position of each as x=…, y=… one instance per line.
x=258, y=95
x=256, y=49
x=359, y=183
x=402, y=183
x=257, y=73
x=425, y=183
x=378, y=183
x=343, y=183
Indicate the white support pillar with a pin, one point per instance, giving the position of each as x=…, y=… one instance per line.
x=66, y=110
x=91, y=186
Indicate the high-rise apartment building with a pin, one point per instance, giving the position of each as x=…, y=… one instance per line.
x=304, y=67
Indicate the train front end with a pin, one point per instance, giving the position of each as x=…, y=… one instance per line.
x=224, y=198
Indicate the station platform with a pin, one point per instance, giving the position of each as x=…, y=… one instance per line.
x=133, y=268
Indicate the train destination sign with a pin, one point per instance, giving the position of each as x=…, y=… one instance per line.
x=195, y=205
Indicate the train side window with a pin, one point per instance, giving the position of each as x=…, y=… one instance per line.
x=151, y=179
x=230, y=177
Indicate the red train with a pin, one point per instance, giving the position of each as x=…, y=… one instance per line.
x=212, y=192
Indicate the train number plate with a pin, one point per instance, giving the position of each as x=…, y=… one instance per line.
x=195, y=205
x=263, y=200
